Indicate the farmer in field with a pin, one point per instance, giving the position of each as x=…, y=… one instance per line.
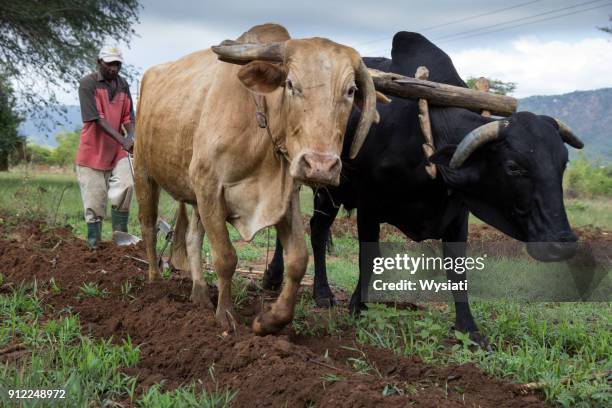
x=103, y=167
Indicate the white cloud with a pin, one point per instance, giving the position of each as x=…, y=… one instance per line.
x=161, y=41
x=542, y=68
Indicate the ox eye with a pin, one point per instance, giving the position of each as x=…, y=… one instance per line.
x=513, y=169
x=292, y=89
x=351, y=91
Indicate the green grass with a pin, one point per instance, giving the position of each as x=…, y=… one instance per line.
x=186, y=396
x=566, y=347
x=56, y=198
x=590, y=212
x=58, y=357
x=93, y=290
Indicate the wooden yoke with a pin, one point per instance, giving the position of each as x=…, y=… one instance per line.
x=428, y=146
x=482, y=84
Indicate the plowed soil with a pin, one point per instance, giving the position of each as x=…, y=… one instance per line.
x=180, y=341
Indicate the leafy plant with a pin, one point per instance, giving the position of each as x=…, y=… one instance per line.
x=92, y=289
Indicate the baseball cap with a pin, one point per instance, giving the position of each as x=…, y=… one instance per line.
x=110, y=53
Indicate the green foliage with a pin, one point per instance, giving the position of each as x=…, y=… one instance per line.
x=60, y=357
x=40, y=155
x=495, y=86
x=93, y=290
x=52, y=43
x=184, y=397
x=62, y=156
x=584, y=177
x=564, y=347
x=65, y=152
x=9, y=121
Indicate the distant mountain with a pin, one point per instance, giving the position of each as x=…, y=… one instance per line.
x=44, y=133
x=588, y=113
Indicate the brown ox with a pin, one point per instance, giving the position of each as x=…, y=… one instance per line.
x=199, y=139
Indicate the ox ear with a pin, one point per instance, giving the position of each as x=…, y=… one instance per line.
x=262, y=77
x=443, y=156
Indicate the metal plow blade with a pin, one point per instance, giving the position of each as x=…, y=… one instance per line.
x=124, y=239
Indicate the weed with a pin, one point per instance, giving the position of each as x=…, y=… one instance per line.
x=126, y=288
x=332, y=378
x=55, y=289
x=92, y=289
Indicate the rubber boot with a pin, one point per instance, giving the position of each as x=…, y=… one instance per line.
x=120, y=220
x=94, y=234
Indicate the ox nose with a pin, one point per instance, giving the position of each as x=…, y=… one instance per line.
x=564, y=248
x=319, y=168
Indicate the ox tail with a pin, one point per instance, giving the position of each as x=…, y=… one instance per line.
x=178, y=250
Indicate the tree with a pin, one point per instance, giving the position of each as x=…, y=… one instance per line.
x=39, y=155
x=67, y=145
x=45, y=45
x=495, y=86
x=9, y=121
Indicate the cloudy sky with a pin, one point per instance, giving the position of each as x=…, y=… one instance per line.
x=546, y=46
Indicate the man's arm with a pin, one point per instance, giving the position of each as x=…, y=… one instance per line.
x=90, y=113
x=126, y=142
x=127, y=121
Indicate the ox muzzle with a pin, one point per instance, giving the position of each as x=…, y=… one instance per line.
x=562, y=249
x=315, y=168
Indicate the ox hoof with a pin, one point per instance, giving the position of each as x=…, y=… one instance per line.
x=325, y=298
x=199, y=296
x=481, y=340
x=266, y=324
x=355, y=308
x=271, y=281
x=225, y=318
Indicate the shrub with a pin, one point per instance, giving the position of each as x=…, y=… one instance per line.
x=590, y=178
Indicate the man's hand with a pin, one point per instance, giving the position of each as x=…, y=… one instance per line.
x=128, y=133
x=128, y=144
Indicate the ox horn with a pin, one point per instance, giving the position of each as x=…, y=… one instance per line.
x=368, y=108
x=239, y=53
x=474, y=139
x=568, y=136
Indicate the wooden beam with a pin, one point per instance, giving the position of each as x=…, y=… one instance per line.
x=428, y=146
x=442, y=94
x=482, y=85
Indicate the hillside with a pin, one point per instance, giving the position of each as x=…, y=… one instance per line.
x=588, y=113
x=44, y=134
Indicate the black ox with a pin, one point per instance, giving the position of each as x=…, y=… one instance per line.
x=507, y=172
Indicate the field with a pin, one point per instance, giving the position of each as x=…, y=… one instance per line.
x=90, y=324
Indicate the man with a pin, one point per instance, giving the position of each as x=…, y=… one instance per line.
x=103, y=166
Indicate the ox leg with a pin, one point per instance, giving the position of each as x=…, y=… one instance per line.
x=147, y=191
x=368, y=229
x=454, y=246
x=273, y=276
x=195, y=236
x=224, y=259
x=178, y=247
x=291, y=234
x=324, y=215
